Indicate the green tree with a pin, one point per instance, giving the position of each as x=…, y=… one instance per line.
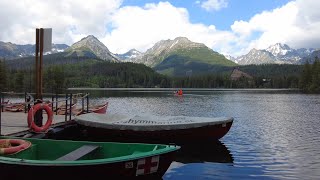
x=19, y=81
x=3, y=75
x=315, y=80
x=306, y=77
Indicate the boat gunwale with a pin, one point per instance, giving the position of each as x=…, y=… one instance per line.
x=153, y=127
x=131, y=157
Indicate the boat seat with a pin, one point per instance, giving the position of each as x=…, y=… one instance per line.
x=78, y=153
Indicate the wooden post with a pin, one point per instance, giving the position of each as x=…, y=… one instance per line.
x=39, y=49
x=41, y=63
x=37, y=64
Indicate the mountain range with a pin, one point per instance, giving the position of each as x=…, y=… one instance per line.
x=9, y=50
x=179, y=56
x=129, y=56
x=91, y=47
x=275, y=54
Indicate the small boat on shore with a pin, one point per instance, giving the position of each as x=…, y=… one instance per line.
x=55, y=159
x=62, y=110
x=14, y=107
x=100, y=109
x=153, y=129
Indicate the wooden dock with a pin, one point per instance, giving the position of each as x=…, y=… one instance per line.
x=15, y=122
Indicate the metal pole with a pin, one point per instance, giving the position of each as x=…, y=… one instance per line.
x=70, y=106
x=82, y=102
x=52, y=99
x=87, y=103
x=25, y=100
x=56, y=104
x=65, y=114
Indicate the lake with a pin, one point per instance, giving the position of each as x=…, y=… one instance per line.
x=275, y=134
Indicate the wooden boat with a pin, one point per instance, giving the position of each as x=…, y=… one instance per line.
x=153, y=129
x=100, y=109
x=14, y=107
x=5, y=102
x=62, y=110
x=62, y=159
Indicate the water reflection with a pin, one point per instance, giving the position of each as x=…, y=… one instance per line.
x=275, y=134
x=205, y=151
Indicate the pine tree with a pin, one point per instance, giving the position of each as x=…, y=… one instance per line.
x=3, y=75
x=315, y=80
x=306, y=77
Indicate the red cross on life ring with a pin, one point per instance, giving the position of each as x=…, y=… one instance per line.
x=33, y=111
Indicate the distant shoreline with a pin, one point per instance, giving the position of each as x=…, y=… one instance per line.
x=184, y=89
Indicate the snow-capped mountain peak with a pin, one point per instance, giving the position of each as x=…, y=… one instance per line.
x=130, y=55
x=276, y=54
x=279, y=49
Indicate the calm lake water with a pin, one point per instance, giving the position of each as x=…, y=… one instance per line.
x=275, y=134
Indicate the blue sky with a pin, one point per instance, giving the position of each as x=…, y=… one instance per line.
x=223, y=18
x=231, y=27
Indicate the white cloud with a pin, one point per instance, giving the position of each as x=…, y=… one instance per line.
x=122, y=28
x=297, y=24
x=68, y=18
x=214, y=5
x=141, y=28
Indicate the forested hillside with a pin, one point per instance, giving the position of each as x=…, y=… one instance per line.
x=62, y=73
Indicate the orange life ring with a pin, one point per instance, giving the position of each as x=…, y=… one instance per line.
x=33, y=111
x=12, y=146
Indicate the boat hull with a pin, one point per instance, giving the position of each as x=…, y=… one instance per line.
x=102, y=109
x=61, y=159
x=176, y=136
x=127, y=169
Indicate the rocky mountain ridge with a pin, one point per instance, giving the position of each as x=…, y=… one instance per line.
x=275, y=54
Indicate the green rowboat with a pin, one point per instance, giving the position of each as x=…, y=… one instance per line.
x=56, y=159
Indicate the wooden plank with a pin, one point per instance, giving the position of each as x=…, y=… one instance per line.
x=15, y=122
x=78, y=153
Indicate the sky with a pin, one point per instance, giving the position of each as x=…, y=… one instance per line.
x=230, y=27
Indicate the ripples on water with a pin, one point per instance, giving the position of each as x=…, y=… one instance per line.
x=275, y=135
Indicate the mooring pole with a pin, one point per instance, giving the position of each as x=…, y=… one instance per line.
x=39, y=62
